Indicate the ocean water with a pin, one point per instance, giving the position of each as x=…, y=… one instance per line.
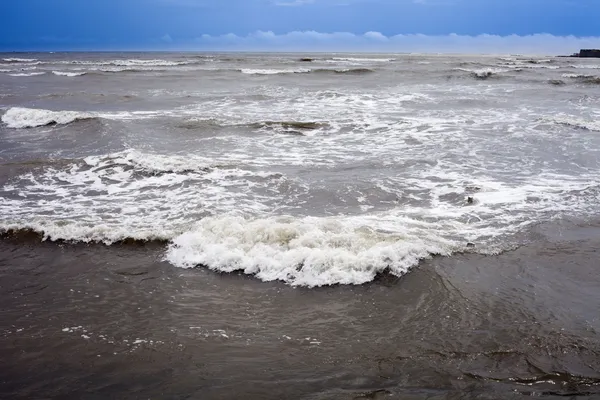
x=341, y=225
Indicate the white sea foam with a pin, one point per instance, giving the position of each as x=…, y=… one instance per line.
x=306, y=252
x=365, y=60
x=382, y=186
x=590, y=125
x=18, y=117
x=483, y=72
x=576, y=76
x=68, y=74
x=19, y=60
x=129, y=63
x=586, y=66
x=22, y=74
x=250, y=71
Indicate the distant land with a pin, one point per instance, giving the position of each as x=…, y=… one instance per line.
x=586, y=53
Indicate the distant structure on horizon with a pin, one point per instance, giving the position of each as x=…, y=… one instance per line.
x=587, y=53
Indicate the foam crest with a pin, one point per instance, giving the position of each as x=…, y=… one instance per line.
x=586, y=66
x=590, y=125
x=24, y=74
x=18, y=117
x=303, y=252
x=483, y=73
x=250, y=71
x=361, y=60
x=68, y=74
x=19, y=60
x=154, y=163
x=131, y=63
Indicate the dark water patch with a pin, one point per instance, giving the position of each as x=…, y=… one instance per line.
x=590, y=80
x=290, y=125
x=306, y=59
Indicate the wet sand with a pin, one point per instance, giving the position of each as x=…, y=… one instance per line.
x=97, y=322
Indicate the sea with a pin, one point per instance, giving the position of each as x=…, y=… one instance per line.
x=299, y=226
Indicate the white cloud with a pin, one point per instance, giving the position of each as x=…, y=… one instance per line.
x=167, y=38
x=293, y=3
x=417, y=43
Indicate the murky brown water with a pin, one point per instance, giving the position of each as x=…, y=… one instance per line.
x=116, y=322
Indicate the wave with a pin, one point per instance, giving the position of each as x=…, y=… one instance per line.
x=482, y=74
x=289, y=127
x=19, y=60
x=366, y=60
x=577, y=123
x=546, y=61
x=19, y=117
x=306, y=251
x=586, y=66
x=83, y=233
x=351, y=71
x=69, y=74
x=153, y=164
x=130, y=63
x=582, y=78
x=291, y=124
x=306, y=71
x=250, y=71
x=300, y=128
x=23, y=74
x=556, y=82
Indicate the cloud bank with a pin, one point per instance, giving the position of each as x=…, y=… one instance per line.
x=377, y=42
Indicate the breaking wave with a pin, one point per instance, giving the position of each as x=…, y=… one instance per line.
x=351, y=71
x=131, y=63
x=577, y=123
x=250, y=71
x=18, y=117
x=19, y=60
x=357, y=71
x=359, y=60
x=23, y=74
x=69, y=74
x=301, y=251
x=582, y=78
x=482, y=74
x=586, y=66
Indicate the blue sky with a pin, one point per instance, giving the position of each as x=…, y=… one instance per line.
x=298, y=24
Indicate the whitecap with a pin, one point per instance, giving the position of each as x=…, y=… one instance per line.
x=22, y=74
x=68, y=74
x=19, y=60
x=19, y=117
x=250, y=71
x=303, y=251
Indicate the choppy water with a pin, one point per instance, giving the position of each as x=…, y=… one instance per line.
x=311, y=170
